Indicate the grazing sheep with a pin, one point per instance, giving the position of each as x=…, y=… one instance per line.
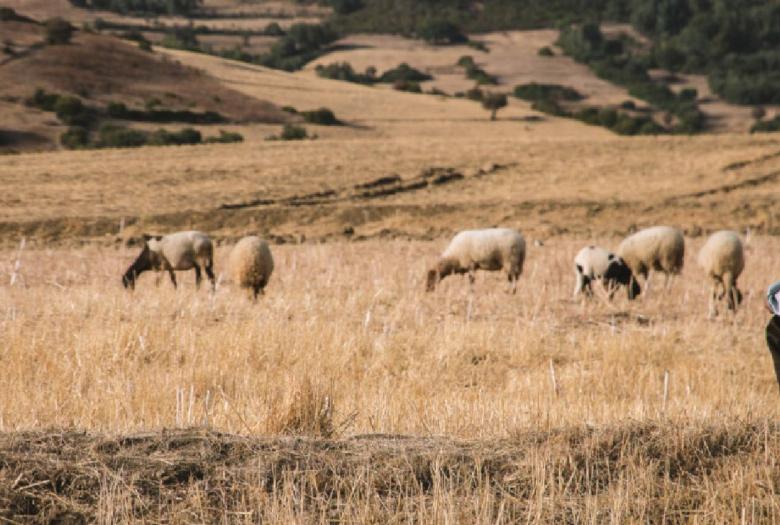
x=596, y=263
x=723, y=258
x=175, y=252
x=659, y=248
x=251, y=264
x=491, y=249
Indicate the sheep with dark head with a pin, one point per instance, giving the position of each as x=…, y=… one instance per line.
x=188, y=250
x=594, y=263
x=491, y=249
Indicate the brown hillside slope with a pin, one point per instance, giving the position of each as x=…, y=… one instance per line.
x=100, y=69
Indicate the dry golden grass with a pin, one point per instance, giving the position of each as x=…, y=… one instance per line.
x=532, y=406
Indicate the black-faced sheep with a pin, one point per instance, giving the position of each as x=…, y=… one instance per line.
x=175, y=252
x=492, y=249
x=660, y=248
x=723, y=259
x=251, y=264
x=596, y=263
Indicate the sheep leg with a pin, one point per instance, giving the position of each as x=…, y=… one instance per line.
x=730, y=290
x=513, y=280
x=173, y=277
x=210, y=273
x=713, y=310
x=197, y=277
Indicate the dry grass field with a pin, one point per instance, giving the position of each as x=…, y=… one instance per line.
x=349, y=395
x=451, y=406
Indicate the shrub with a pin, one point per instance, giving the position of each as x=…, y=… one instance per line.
x=440, y=32
x=43, y=100
x=545, y=51
x=110, y=136
x=407, y=85
x=493, y=102
x=608, y=117
x=75, y=138
x=549, y=106
x=466, y=61
x=162, y=137
x=404, y=72
x=344, y=71
x=58, y=31
x=322, y=116
x=71, y=111
x=480, y=76
x=225, y=137
x=534, y=91
x=273, y=29
x=766, y=126
x=475, y=94
x=344, y=7
x=291, y=132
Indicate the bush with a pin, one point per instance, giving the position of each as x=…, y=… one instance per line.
x=273, y=29
x=466, y=61
x=293, y=132
x=58, y=31
x=75, y=138
x=225, y=137
x=344, y=71
x=163, y=137
x=493, y=102
x=344, y=7
x=322, y=116
x=440, y=32
x=71, y=111
x=43, y=100
x=480, y=76
x=534, y=91
x=404, y=72
x=475, y=94
x=407, y=85
x=111, y=136
x=545, y=51
x=766, y=126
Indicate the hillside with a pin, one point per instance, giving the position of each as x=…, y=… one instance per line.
x=99, y=70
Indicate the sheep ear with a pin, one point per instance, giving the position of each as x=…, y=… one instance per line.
x=146, y=237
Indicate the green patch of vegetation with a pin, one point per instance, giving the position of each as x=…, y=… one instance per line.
x=321, y=116
x=766, y=126
x=301, y=44
x=119, y=110
x=476, y=73
x=344, y=71
x=493, y=102
x=58, y=31
x=225, y=137
x=440, y=31
x=404, y=72
x=545, y=51
x=614, y=60
x=142, y=7
x=534, y=91
x=407, y=85
x=616, y=121
x=292, y=132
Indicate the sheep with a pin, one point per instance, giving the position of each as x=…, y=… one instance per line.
x=491, y=249
x=659, y=248
x=175, y=252
x=723, y=259
x=251, y=264
x=594, y=262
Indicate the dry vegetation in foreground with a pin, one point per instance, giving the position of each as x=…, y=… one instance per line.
x=552, y=410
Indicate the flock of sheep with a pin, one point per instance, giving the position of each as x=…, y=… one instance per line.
x=660, y=248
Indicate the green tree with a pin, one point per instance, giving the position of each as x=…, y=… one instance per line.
x=58, y=31
x=493, y=102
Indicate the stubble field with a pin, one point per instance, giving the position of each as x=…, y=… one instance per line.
x=349, y=393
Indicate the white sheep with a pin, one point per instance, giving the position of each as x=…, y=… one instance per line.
x=179, y=251
x=659, y=248
x=492, y=249
x=596, y=263
x=251, y=264
x=723, y=258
